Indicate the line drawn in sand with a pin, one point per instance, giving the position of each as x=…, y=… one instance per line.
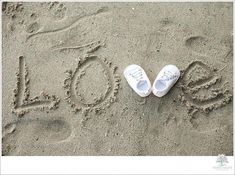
x=110, y=85
x=63, y=24
x=22, y=103
x=88, y=47
x=200, y=92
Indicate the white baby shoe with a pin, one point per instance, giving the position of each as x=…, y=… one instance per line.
x=138, y=80
x=166, y=78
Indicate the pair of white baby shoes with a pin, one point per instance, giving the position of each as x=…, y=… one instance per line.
x=140, y=83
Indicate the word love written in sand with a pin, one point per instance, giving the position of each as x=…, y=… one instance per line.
x=23, y=103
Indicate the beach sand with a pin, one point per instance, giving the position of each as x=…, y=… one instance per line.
x=64, y=92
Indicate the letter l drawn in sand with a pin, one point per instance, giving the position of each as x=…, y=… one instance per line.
x=22, y=103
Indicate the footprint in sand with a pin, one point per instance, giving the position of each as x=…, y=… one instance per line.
x=14, y=11
x=19, y=134
x=197, y=43
x=67, y=23
x=12, y=8
x=58, y=10
x=103, y=86
x=202, y=89
x=203, y=45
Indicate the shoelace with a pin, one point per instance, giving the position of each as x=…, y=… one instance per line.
x=168, y=76
x=137, y=74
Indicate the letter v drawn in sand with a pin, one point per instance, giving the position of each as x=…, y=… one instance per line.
x=22, y=103
x=203, y=89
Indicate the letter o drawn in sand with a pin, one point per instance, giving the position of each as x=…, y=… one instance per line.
x=100, y=88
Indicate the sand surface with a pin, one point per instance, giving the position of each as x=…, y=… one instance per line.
x=64, y=92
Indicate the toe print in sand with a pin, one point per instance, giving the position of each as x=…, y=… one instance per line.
x=103, y=84
x=203, y=89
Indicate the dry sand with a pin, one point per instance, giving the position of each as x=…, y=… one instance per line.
x=64, y=92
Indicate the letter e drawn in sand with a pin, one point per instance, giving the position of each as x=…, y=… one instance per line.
x=22, y=103
x=202, y=89
x=102, y=88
